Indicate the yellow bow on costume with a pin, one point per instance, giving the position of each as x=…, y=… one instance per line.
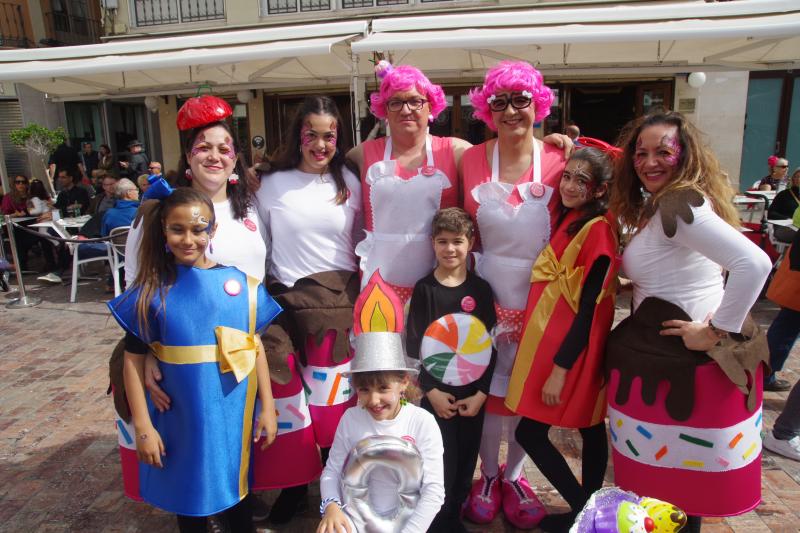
x=549, y=268
x=237, y=351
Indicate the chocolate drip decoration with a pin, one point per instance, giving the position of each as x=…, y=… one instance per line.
x=739, y=360
x=636, y=349
x=315, y=305
x=675, y=204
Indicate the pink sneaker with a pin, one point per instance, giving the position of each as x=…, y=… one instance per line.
x=484, y=499
x=520, y=505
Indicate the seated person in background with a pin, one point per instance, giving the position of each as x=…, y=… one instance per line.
x=143, y=183
x=787, y=201
x=124, y=209
x=105, y=200
x=777, y=173
x=120, y=215
x=71, y=195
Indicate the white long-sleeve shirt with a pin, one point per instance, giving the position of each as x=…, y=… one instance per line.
x=237, y=243
x=309, y=231
x=685, y=269
x=411, y=421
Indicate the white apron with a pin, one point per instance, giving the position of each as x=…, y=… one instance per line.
x=512, y=237
x=402, y=210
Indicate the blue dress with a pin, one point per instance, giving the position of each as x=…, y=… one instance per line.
x=207, y=431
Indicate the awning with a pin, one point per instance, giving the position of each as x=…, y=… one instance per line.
x=663, y=38
x=270, y=57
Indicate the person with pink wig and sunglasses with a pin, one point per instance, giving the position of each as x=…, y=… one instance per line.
x=406, y=177
x=508, y=184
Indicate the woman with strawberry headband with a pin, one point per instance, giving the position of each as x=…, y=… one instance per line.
x=508, y=183
x=209, y=164
x=406, y=177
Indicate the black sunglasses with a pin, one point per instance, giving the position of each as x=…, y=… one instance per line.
x=21, y=181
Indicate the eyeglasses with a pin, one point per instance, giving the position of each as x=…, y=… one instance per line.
x=153, y=168
x=517, y=101
x=20, y=181
x=414, y=104
x=781, y=166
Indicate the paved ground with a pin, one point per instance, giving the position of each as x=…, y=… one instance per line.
x=59, y=468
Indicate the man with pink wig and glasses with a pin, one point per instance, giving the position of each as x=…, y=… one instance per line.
x=508, y=183
x=406, y=177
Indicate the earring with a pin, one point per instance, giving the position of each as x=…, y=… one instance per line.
x=188, y=174
x=233, y=179
x=403, y=399
x=211, y=247
x=166, y=248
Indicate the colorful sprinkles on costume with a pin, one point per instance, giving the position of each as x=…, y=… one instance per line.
x=329, y=388
x=703, y=449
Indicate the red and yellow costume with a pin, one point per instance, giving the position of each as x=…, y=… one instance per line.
x=557, y=281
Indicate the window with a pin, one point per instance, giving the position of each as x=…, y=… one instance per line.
x=155, y=12
x=281, y=7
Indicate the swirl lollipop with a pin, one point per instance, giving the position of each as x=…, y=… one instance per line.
x=456, y=349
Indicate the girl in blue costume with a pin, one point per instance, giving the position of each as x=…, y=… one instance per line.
x=201, y=320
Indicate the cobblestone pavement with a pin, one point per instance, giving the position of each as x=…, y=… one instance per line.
x=59, y=466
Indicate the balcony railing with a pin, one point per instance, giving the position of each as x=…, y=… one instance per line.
x=285, y=7
x=12, y=26
x=156, y=12
x=71, y=28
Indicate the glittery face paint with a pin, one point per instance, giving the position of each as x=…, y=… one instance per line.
x=308, y=136
x=657, y=156
x=188, y=232
x=577, y=185
x=202, y=147
x=318, y=137
x=197, y=217
x=212, y=159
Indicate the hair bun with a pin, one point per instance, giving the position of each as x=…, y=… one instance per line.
x=383, y=68
x=772, y=160
x=202, y=110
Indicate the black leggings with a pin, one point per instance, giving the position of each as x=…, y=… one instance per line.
x=239, y=517
x=534, y=439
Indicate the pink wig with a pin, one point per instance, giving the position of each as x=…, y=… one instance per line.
x=511, y=76
x=404, y=78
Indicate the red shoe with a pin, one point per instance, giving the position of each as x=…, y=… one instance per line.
x=520, y=505
x=484, y=499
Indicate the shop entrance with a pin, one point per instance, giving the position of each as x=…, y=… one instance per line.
x=601, y=110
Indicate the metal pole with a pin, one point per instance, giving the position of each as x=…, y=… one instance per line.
x=24, y=300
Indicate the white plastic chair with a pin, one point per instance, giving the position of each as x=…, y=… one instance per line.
x=77, y=263
x=119, y=237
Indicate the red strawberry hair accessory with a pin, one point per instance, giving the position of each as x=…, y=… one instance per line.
x=611, y=151
x=772, y=161
x=202, y=110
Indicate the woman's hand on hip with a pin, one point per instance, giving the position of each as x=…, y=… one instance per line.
x=696, y=336
x=152, y=375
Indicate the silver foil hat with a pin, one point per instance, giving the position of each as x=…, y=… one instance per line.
x=378, y=352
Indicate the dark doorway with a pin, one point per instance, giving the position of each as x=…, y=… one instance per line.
x=600, y=111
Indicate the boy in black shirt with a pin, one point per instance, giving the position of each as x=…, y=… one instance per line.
x=462, y=301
